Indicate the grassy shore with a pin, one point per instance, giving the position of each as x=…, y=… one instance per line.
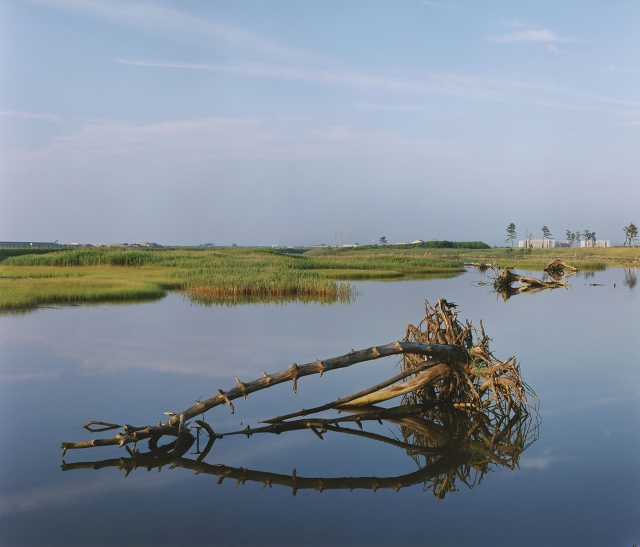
x=237, y=275
x=215, y=276
x=534, y=259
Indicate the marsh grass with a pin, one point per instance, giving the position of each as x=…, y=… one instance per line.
x=243, y=275
x=87, y=275
x=31, y=286
x=347, y=274
x=535, y=259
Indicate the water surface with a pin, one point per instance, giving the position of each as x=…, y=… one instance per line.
x=576, y=485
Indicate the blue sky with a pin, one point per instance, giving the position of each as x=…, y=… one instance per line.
x=280, y=122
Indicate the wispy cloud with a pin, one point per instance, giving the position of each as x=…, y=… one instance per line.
x=532, y=35
x=176, y=25
x=467, y=87
x=394, y=107
x=440, y=5
x=201, y=143
x=290, y=72
x=30, y=115
x=614, y=68
x=246, y=54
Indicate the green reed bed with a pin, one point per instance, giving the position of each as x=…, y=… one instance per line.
x=98, y=274
x=28, y=286
x=27, y=293
x=87, y=275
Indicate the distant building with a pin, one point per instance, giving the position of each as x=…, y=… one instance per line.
x=29, y=245
x=141, y=245
x=417, y=241
x=598, y=243
x=544, y=243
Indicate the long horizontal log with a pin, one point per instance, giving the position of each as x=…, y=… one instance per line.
x=439, y=352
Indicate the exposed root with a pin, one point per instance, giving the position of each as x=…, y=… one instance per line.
x=558, y=270
x=482, y=381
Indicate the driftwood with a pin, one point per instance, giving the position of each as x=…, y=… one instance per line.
x=446, y=365
x=481, y=266
x=558, y=270
x=503, y=283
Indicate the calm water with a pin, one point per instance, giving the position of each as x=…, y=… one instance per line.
x=577, y=484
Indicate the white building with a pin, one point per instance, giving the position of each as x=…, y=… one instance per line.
x=543, y=243
x=599, y=243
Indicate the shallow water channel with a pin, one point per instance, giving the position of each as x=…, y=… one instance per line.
x=577, y=484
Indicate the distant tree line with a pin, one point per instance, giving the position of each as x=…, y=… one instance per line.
x=631, y=233
x=444, y=244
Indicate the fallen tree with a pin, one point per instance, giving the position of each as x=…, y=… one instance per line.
x=446, y=366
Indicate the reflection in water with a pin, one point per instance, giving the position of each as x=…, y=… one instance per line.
x=557, y=270
x=346, y=295
x=450, y=446
x=630, y=277
x=503, y=283
x=72, y=304
x=463, y=412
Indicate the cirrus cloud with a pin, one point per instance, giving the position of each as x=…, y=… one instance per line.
x=545, y=36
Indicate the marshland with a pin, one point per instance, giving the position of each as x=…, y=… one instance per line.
x=231, y=275
x=429, y=456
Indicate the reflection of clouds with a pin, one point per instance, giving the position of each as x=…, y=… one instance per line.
x=590, y=403
x=260, y=451
x=186, y=356
x=55, y=496
x=166, y=336
x=541, y=462
x=18, y=377
x=627, y=390
x=28, y=360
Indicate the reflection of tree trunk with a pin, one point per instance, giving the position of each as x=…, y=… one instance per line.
x=454, y=446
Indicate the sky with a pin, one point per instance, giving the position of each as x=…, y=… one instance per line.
x=283, y=122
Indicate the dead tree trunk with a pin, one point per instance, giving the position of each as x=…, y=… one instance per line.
x=449, y=362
